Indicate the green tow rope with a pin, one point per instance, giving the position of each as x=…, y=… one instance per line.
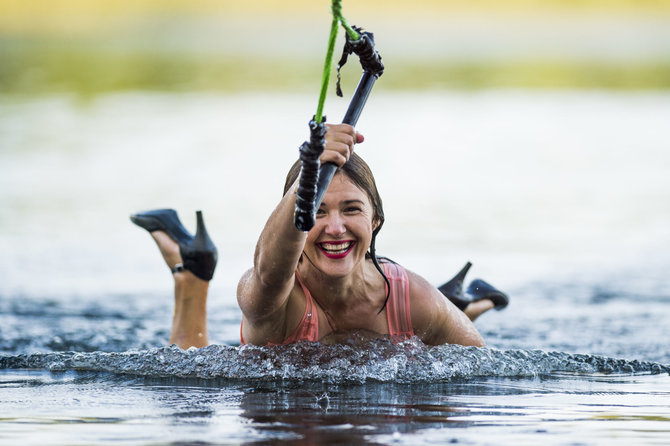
x=338, y=19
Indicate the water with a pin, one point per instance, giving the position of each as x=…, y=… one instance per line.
x=558, y=198
x=73, y=408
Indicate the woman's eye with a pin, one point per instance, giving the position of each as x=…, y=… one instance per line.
x=352, y=209
x=320, y=212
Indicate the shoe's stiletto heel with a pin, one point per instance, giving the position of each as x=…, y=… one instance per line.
x=199, y=254
x=478, y=290
x=453, y=289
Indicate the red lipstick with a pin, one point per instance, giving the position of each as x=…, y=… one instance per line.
x=336, y=250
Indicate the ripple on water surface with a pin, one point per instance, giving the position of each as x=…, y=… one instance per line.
x=356, y=361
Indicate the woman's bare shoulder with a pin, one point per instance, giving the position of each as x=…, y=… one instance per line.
x=435, y=319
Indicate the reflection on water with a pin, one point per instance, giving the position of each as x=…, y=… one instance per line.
x=473, y=413
x=616, y=409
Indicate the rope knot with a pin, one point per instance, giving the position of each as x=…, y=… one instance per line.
x=364, y=47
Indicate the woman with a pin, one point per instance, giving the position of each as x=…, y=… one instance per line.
x=313, y=286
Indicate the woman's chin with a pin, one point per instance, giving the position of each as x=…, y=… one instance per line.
x=336, y=267
x=336, y=272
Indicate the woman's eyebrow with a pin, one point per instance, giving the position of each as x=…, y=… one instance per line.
x=344, y=202
x=353, y=201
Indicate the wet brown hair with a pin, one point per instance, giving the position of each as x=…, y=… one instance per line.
x=360, y=174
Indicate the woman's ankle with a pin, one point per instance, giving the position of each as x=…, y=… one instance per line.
x=189, y=287
x=477, y=308
x=169, y=248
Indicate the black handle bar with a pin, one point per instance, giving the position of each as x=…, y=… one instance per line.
x=327, y=171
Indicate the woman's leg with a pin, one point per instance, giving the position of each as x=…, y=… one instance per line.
x=189, y=323
x=477, y=308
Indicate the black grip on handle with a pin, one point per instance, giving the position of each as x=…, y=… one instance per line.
x=305, y=196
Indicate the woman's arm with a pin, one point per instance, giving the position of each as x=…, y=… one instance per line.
x=264, y=290
x=435, y=319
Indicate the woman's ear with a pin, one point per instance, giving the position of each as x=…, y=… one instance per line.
x=375, y=224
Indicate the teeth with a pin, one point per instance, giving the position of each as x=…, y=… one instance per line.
x=336, y=248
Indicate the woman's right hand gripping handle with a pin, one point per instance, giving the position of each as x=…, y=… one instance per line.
x=340, y=141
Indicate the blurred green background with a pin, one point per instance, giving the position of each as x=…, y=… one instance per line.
x=90, y=47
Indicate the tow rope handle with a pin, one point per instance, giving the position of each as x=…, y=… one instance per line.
x=313, y=184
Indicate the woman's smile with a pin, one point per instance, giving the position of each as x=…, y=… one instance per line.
x=336, y=249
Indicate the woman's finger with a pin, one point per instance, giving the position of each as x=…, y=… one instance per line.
x=331, y=156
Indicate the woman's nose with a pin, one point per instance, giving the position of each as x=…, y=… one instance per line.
x=335, y=225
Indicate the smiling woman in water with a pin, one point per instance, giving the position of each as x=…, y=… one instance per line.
x=311, y=286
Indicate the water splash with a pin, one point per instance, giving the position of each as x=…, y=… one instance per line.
x=357, y=361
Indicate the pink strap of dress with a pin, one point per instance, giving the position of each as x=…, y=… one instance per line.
x=308, y=328
x=397, y=309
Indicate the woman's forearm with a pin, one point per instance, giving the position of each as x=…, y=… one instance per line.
x=280, y=245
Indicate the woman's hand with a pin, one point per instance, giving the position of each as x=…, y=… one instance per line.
x=340, y=140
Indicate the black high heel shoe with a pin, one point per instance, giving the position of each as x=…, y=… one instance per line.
x=199, y=255
x=453, y=289
x=479, y=290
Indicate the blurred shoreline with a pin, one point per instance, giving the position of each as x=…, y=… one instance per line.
x=89, y=49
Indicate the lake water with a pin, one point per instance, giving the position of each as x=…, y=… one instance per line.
x=559, y=198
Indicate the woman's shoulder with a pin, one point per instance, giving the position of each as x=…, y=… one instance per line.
x=392, y=266
x=421, y=292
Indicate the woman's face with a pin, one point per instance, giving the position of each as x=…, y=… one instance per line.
x=343, y=230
